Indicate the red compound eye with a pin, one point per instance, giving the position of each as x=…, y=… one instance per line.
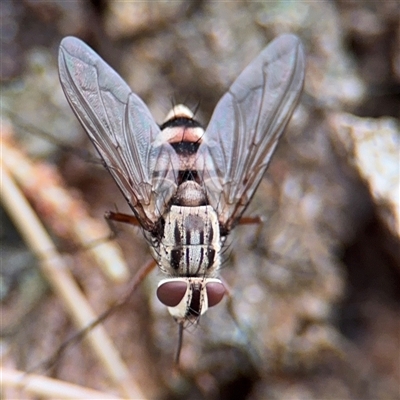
x=171, y=293
x=215, y=293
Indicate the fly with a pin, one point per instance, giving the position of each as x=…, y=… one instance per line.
x=187, y=187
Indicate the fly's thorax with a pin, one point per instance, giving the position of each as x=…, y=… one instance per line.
x=190, y=245
x=190, y=194
x=188, y=298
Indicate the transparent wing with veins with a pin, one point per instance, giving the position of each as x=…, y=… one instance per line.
x=121, y=128
x=246, y=125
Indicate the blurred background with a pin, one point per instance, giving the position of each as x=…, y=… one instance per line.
x=316, y=288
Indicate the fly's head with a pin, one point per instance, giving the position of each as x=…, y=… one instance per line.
x=189, y=298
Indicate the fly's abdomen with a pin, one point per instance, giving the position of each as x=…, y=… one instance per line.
x=191, y=242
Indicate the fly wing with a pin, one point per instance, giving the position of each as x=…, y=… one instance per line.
x=121, y=128
x=246, y=125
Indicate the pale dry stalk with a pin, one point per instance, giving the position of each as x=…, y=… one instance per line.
x=62, y=281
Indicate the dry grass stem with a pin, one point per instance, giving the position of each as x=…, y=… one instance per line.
x=37, y=385
x=56, y=271
x=66, y=213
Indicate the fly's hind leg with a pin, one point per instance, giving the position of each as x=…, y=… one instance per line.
x=251, y=220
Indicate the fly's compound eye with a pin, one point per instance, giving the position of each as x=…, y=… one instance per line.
x=183, y=295
x=171, y=293
x=215, y=293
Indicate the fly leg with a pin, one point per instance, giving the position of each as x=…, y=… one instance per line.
x=256, y=220
x=251, y=220
x=111, y=216
x=120, y=217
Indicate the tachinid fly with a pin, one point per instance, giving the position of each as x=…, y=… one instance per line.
x=187, y=187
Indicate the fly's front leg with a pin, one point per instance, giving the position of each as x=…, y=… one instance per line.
x=120, y=217
x=111, y=216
